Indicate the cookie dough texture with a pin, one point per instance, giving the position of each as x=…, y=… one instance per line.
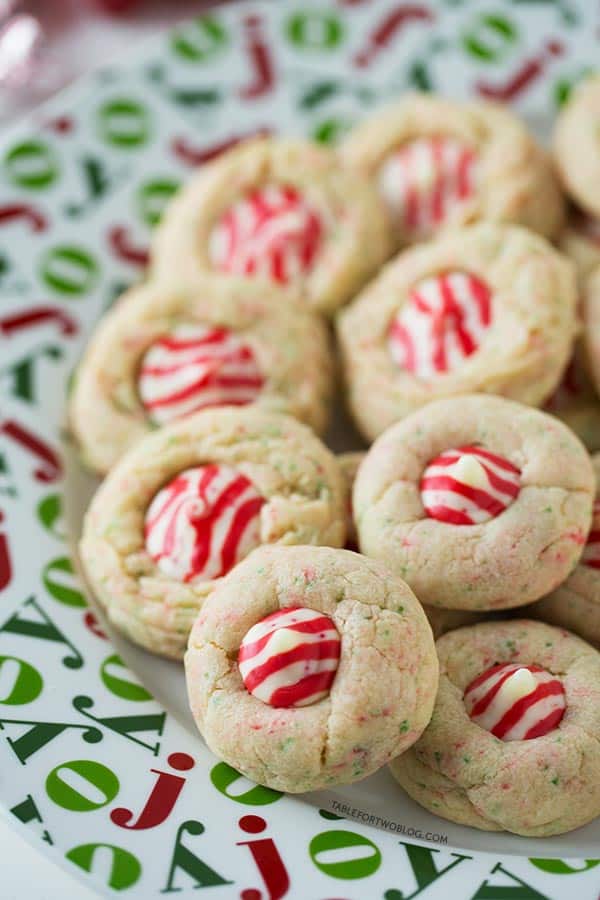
x=577, y=145
x=591, y=321
x=288, y=465
x=381, y=698
x=522, y=354
x=576, y=603
x=539, y=787
x=291, y=346
x=508, y=561
x=515, y=181
x=357, y=238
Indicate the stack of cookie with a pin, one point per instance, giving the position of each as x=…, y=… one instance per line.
x=304, y=589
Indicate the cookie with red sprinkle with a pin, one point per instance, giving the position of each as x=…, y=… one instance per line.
x=439, y=164
x=168, y=350
x=280, y=211
x=478, y=502
x=514, y=740
x=488, y=308
x=309, y=667
x=191, y=501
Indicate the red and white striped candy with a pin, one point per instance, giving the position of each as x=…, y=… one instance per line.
x=290, y=657
x=591, y=552
x=273, y=232
x=443, y=321
x=426, y=180
x=468, y=485
x=194, y=367
x=203, y=522
x=516, y=702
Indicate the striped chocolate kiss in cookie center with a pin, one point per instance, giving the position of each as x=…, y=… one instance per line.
x=443, y=321
x=202, y=523
x=273, y=232
x=290, y=657
x=468, y=486
x=516, y=702
x=194, y=367
x=426, y=180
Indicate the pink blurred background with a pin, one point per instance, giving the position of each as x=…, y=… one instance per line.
x=45, y=44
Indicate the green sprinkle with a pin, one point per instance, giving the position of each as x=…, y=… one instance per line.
x=404, y=726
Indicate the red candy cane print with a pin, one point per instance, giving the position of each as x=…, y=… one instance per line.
x=51, y=468
x=468, y=486
x=196, y=156
x=530, y=72
x=195, y=367
x=516, y=702
x=426, y=180
x=5, y=559
x=259, y=54
x=22, y=212
x=162, y=799
x=124, y=249
x=388, y=28
x=272, y=232
x=203, y=522
x=37, y=315
x=290, y=657
x=443, y=322
x=267, y=859
x=591, y=553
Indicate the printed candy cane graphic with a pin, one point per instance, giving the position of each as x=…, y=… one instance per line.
x=124, y=249
x=22, y=212
x=50, y=469
x=388, y=28
x=259, y=54
x=267, y=859
x=531, y=70
x=197, y=156
x=36, y=315
x=5, y=558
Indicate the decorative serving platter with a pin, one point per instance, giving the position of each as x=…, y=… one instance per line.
x=101, y=767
